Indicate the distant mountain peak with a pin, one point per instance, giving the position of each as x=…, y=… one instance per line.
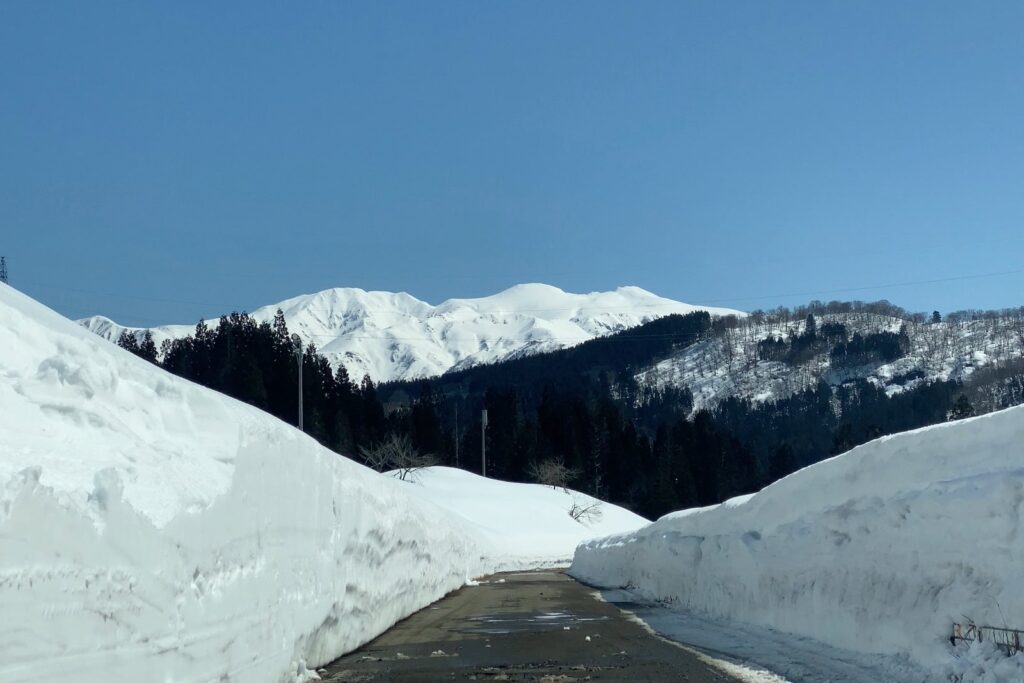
x=394, y=335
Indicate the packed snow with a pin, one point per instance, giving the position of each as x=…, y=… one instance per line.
x=393, y=336
x=762, y=655
x=877, y=551
x=151, y=529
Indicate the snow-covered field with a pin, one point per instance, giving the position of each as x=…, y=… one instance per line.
x=393, y=336
x=876, y=551
x=535, y=531
x=154, y=530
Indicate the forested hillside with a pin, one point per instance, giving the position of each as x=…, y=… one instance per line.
x=837, y=376
x=775, y=354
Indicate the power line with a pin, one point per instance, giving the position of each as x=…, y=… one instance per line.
x=956, y=278
x=224, y=306
x=553, y=339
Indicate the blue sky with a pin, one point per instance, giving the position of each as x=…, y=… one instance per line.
x=165, y=161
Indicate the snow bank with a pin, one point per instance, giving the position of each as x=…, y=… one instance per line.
x=153, y=530
x=528, y=524
x=878, y=550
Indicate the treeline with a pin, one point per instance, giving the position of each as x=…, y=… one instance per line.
x=879, y=308
x=257, y=363
x=628, y=444
x=844, y=351
x=684, y=461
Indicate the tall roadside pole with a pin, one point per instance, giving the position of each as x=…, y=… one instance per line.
x=483, y=442
x=298, y=358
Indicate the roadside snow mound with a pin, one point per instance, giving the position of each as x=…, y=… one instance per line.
x=153, y=530
x=528, y=524
x=878, y=550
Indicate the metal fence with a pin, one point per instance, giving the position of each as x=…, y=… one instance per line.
x=1009, y=639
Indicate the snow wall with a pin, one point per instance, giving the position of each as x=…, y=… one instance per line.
x=878, y=550
x=153, y=530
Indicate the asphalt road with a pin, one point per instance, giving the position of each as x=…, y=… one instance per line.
x=534, y=626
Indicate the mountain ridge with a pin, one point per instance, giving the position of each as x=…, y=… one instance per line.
x=395, y=336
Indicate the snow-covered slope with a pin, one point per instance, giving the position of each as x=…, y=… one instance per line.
x=155, y=530
x=728, y=362
x=529, y=524
x=878, y=550
x=396, y=336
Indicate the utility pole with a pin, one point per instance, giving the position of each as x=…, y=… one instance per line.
x=483, y=442
x=3, y=269
x=298, y=358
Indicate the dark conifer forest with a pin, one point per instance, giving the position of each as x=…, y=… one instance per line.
x=626, y=443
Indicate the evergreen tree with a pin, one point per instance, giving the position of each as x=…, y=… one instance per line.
x=782, y=463
x=147, y=349
x=961, y=409
x=128, y=342
x=810, y=326
x=426, y=427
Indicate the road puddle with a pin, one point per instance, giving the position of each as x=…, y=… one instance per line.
x=519, y=622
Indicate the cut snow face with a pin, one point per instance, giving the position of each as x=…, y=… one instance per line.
x=151, y=529
x=877, y=551
x=398, y=337
x=529, y=524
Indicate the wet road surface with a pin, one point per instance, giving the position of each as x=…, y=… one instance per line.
x=532, y=626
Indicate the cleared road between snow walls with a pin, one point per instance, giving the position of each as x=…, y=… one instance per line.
x=530, y=626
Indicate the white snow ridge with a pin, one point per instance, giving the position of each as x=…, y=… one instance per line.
x=398, y=337
x=154, y=530
x=877, y=551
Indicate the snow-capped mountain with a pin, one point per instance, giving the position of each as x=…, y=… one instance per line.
x=395, y=336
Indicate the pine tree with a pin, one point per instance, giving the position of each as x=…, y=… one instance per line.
x=280, y=328
x=961, y=409
x=147, y=349
x=782, y=463
x=128, y=342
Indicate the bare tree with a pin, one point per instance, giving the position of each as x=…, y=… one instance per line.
x=396, y=452
x=585, y=511
x=552, y=473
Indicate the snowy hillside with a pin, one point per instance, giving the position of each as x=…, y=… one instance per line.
x=529, y=524
x=735, y=362
x=877, y=551
x=396, y=336
x=151, y=529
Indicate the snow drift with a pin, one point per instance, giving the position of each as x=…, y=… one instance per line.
x=878, y=550
x=154, y=530
x=528, y=524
